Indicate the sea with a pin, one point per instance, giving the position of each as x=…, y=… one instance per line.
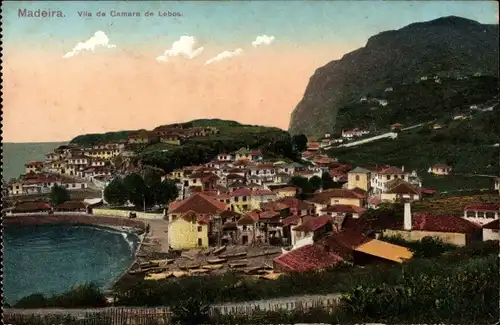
x=16, y=155
x=51, y=259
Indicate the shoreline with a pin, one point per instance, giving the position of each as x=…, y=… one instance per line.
x=113, y=223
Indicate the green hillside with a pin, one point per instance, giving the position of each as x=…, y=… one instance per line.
x=418, y=102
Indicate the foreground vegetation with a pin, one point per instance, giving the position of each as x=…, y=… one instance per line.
x=459, y=285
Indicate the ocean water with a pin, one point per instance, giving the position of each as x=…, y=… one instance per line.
x=52, y=259
x=16, y=155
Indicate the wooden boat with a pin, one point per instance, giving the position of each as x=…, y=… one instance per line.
x=179, y=274
x=255, y=269
x=198, y=271
x=271, y=276
x=148, y=265
x=219, y=250
x=158, y=276
x=189, y=267
x=238, y=264
x=164, y=261
x=217, y=260
x=213, y=266
x=242, y=254
x=137, y=272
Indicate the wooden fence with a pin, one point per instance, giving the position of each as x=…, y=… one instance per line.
x=154, y=316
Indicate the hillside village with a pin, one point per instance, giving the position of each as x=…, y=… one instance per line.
x=242, y=211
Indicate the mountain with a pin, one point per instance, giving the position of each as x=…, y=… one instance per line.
x=446, y=47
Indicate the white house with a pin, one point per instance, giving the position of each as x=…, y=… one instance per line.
x=490, y=230
x=482, y=213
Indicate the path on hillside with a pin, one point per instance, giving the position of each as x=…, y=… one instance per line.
x=392, y=135
x=284, y=302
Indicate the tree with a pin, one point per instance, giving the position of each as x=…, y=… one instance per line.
x=316, y=183
x=164, y=192
x=115, y=193
x=59, y=195
x=327, y=181
x=136, y=189
x=299, y=142
x=305, y=188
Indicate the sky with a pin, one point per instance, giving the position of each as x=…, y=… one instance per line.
x=247, y=61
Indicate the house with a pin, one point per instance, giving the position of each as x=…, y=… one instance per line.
x=383, y=102
x=337, y=196
x=189, y=220
x=460, y=117
x=450, y=229
x=34, y=167
x=341, y=210
x=71, y=206
x=171, y=138
x=248, y=232
x=313, y=227
x=490, y=230
x=283, y=192
x=313, y=146
x=437, y=126
x=343, y=247
x=359, y=178
x=241, y=200
x=381, y=176
x=73, y=184
x=106, y=154
x=143, y=137
x=440, y=169
x=398, y=189
x=481, y=213
x=247, y=154
x=31, y=207
x=388, y=89
x=224, y=157
x=396, y=127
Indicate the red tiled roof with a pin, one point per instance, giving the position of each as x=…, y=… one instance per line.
x=71, y=205
x=234, y=176
x=249, y=218
x=263, y=192
x=484, y=207
x=35, y=163
x=286, y=189
x=440, y=166
x=291, y=220
x=325, y=196
x=198, y=203
x=307, y=258
x=344, y=242
x=269, y=214
x=241, y=192
x=428, y=222
x=31, y=207
x=313, y=223
x=190, y=215
x=229, y=214
x=492, y=225
x=391, y=171
x=344, y=208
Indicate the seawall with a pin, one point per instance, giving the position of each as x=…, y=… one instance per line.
x=70, y=218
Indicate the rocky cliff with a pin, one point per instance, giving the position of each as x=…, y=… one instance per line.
x=449, y=46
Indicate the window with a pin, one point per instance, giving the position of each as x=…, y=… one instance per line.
x=388, y=177
x=200, y=228
x=244, y=199
x=490, y=215
x=357, y=177
x=200, y=242
x=245, y=228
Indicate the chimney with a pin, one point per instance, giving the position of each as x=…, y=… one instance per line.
x=407, y=216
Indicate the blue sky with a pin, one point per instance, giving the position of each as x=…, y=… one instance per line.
x=292, y=22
